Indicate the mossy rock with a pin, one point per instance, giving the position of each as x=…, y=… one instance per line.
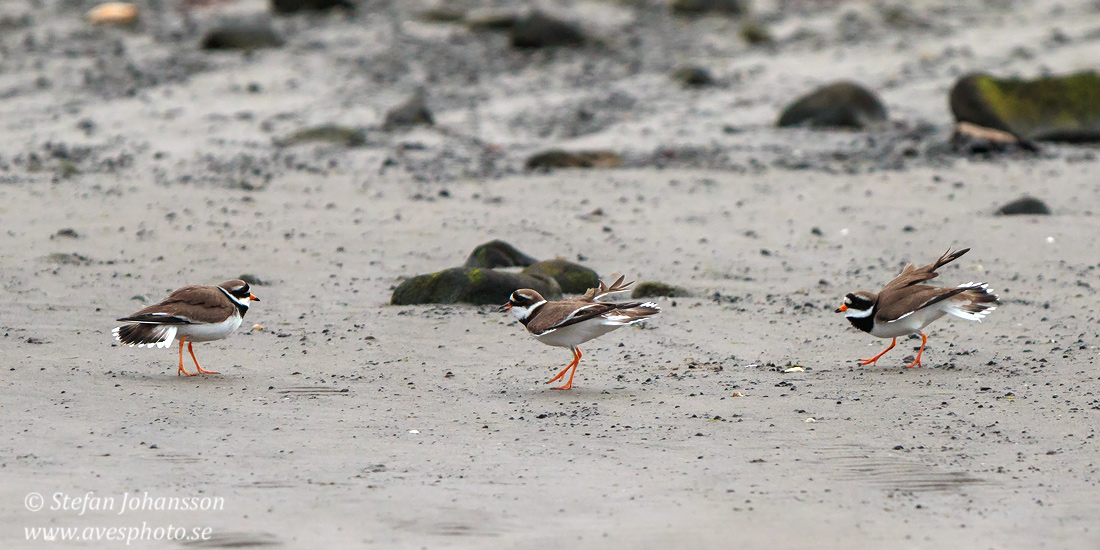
x=556, y=158
x=838, y=105
x=328, y=133
x=466, y=285
x=539, y=30
x=242, y=35
x=497, y=253
x=573, y=278
x=1055, y=108
x=654, y=289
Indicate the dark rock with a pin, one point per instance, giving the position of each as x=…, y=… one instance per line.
x=699, y=7
x=653, y=289
x=491, y=19
x=1024, y=205
x=756, y=33
x=557, y=158
x=497, y=253
x=443, y=14
x=971, y=139
x=329, y=133
x=538, y=30
x=573, y=278
x=253, y=280
x=67, y=232
x=470, y=285
x=694, y=76
x=411, y=113
x=1056, y=108
x=242, y=35
x=839, y=105
x=292, y=6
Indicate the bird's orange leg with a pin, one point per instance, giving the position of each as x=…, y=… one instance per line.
x=193, y=358
x=576, y=357
x=923, y=341
x=871, y=361
x=576, y=362
x=181, y=369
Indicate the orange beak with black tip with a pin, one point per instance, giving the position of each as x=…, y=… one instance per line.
x=841, y=309
x=253, y=298
x=505, y=307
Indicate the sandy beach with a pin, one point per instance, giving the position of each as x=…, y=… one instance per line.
x=345, y=422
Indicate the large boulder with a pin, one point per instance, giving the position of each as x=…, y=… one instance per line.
x=838, y=105
x=468, y=285
x=573, y=278
x=1055, y=108
x=497, y=253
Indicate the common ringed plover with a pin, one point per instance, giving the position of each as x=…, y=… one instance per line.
x=191, y=314
x=904, y=306
x=572, y=322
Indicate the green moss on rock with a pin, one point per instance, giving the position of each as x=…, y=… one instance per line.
x=573, y=278
x=464, y=285
x=1055, y=108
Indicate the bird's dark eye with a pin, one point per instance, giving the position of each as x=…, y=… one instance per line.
x=241, y=291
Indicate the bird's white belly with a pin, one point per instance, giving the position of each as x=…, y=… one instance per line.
x=206, y=333
x=574, y=335
x=910, y=324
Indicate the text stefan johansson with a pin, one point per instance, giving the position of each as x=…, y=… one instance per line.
x=136, y=502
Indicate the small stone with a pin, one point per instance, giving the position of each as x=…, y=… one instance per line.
x=700, y=7
x=654, y=289
x=253, y=280
x=113, y=13
x=694, y=76
x=794, y=369
x=68, y=233
x=294, y=6
x=1025, y=206
x=413, y=112
x=257, y=327
x=756, y=33
x=971, y=139
x=539, y=30
x=328, y=133
x=241, y=35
